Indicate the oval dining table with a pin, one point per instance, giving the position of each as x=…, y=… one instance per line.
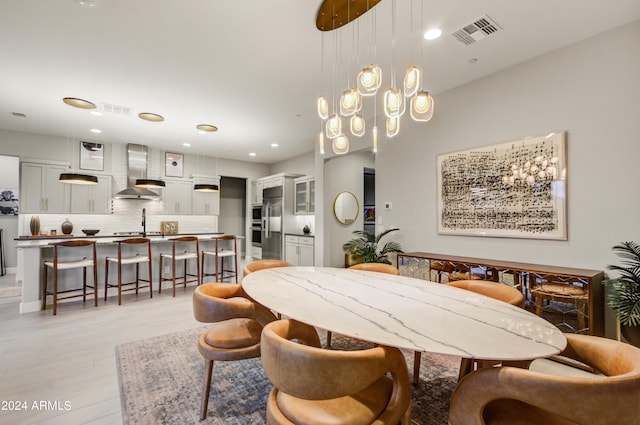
x=405, y=312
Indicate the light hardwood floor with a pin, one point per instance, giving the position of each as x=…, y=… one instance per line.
x=71, y=357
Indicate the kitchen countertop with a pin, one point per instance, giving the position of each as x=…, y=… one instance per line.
x=113, y=236
x=301, y=234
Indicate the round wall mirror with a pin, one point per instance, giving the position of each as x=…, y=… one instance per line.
x=345, y=207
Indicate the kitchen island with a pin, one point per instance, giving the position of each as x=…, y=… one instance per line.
x=33, y=250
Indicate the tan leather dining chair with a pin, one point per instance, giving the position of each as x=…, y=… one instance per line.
x=254, y=266
x=514, y=396
x=319, y=386
x=376, y=267
x=497, y=291
x=235, y=335
x=370, y=267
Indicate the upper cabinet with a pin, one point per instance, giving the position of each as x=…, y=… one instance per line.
x=177, y=196
x=305, y=194
x=206, y=203
x=40, y=190
x=256, y=192
x=92, y=199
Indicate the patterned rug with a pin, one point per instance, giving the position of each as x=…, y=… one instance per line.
x=161, y=378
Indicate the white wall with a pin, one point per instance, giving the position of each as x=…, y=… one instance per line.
x=591, y=90
x=342, y=173
x=302, y=164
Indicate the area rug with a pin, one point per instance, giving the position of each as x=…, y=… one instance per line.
x=160, y=383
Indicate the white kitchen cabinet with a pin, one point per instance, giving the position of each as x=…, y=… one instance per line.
x=40, y=190
x=273, y=182
x=92, y=199
x=299, y=250
x=206, y=203
x=256, y=192
x=177, y=196
x=304, y=195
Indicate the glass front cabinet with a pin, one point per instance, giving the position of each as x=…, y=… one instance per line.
x=304, y=202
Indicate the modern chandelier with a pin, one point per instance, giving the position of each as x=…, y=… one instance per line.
x=334, y=15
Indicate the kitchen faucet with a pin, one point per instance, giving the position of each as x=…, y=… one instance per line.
x=144, y=223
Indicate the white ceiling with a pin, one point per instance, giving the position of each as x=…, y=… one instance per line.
x=253, y=67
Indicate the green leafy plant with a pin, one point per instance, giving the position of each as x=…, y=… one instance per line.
x=624, y=298
x=364, y=248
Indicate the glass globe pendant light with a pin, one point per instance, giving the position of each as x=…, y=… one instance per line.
x=350, y=102
x=369, y=80
x=411, y=81
x=357, y=125
x=341, y=145
x=393, y=126
x=333, y=127
x=323, y=108
x=422, y=106
x=394, y=105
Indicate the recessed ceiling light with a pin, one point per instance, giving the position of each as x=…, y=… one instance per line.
x=274, y=145
x=96, y=130
x=79, y=103
x=252, y=154
x=207, y=128
x=96, y=113
x=87, y=3
x=186, y=145
x=432, y=34
x=150, y=116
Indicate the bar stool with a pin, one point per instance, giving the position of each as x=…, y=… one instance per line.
x=181, y=243
x=220, y=254
x=134, y=258
x=56, y=265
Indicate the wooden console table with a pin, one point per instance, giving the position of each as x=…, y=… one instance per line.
x=525, y=276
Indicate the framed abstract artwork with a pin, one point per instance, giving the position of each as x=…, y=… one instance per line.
x=91, y=156
x=515, y=189
x=173, y=164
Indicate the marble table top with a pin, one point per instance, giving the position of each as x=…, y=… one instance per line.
x=405, y=312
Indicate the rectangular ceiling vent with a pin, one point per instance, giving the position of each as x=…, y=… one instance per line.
x=116, y=109
x=19, y=115
x=476, y=30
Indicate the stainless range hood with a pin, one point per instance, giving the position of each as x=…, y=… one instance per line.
x=136, y=169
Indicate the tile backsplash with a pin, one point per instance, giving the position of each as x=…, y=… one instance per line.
x=126, y=217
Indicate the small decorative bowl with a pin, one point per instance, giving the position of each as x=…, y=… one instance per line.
x=90, y=232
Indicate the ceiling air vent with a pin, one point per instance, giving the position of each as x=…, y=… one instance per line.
x=116, y=109
x=476, y=30
x=19, y=115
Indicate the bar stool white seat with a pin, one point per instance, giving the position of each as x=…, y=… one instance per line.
x=221, y=252
x=57, y=265
x=191, y=248
x=142, y=255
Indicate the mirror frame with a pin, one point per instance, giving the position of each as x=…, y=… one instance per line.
x=355, y=198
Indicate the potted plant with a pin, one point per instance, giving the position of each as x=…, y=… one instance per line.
x=624, y=297
x=364, y=248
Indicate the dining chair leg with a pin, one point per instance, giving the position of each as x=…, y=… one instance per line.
x=106, y=277
x=206, y=388
x=417, y=358
x=44, y=288
x=328, y=339
x=160, y=274
x=466, y=365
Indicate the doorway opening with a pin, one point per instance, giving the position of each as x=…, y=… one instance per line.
x=233, y=204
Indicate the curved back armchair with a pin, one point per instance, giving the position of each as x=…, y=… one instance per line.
x=254, y=266
x=509, y=395
x=376, y=267
x=315, y=385
x=495, y=290
x=235, y=335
